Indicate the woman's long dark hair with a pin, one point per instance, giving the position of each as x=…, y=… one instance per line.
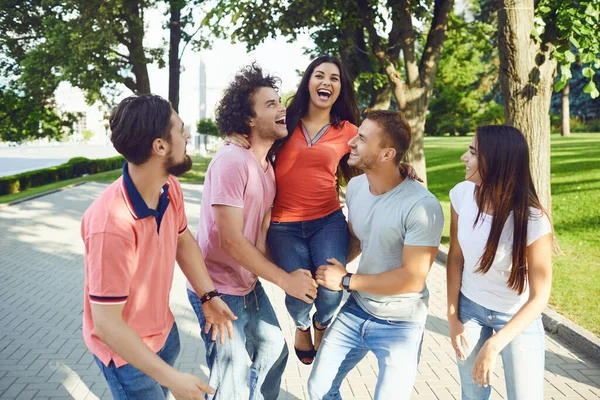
x=344, y=108
x=506, y=185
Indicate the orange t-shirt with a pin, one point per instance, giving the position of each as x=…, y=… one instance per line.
x=305, y=173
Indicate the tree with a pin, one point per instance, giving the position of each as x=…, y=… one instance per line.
x=92, y=44
x=466, y=84
x=207, y=127
x=565, y=125
x=354, y=31
x=530, y=48
x=181, y=17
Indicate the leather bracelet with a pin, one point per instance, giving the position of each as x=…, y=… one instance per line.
x=207, y=296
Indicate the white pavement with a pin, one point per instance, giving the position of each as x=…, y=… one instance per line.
x=42, y=355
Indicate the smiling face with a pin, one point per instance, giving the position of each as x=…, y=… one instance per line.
x=470, y=158
x=269, y=115
x=365, y=147
x=324, y=85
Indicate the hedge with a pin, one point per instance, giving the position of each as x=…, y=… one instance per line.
x=74, y=168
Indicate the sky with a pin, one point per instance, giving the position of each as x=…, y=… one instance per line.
x=276, y=56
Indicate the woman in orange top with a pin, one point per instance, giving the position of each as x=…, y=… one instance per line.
x=307, y=223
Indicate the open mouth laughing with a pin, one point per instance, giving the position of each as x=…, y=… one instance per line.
x=280, y=120
x=324, y=94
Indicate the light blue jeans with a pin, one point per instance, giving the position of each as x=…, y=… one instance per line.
x=128, y=382
x=396, y=344
x=308, y=245
x=523, y=358
x=255, y=332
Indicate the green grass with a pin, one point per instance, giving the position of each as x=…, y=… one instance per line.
x=196, y=175
x=575, y=183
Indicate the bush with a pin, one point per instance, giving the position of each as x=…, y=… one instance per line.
x=74, y=168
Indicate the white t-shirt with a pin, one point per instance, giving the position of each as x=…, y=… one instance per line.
x=490, y=290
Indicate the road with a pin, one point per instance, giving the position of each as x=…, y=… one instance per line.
x=14, y=160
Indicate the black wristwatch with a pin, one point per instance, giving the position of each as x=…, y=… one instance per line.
x=207, y=296
x=346, y=281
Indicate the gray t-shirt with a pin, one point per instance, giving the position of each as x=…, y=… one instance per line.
x=406, y=215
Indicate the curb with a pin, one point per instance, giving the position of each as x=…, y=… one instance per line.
x=580, y=338
x=35, y=196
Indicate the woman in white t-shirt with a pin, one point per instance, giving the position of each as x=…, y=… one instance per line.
x=499, y=267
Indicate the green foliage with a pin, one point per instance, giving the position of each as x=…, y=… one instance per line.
x=573, y=28
x=73, y=168
x=87, y=134
x=207, y=126
x=24, y=118
x=581, y=105
x=467, y=79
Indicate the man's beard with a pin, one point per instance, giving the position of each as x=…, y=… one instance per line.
x=180, y=168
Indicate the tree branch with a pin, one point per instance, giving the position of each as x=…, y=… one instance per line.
x=405, y=33
x=435, y=42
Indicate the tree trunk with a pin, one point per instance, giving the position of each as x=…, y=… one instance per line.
x=135, y=45
x=174, y=62
x=526, y=77
x=381, y=98
x=415, y=113
x=565, y=117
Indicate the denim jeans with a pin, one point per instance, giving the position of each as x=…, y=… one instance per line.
x=523, y=358
x=308, y=245
x=128, y=382
x=257, y=331
x=396, y=344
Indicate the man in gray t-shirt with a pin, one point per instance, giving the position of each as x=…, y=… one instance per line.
x=398, y=224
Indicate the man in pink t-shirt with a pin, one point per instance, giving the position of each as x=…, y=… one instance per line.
x=133, y=233
x=236, y=211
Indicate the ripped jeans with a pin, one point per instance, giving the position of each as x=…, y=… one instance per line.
x=523, y=358
x=257, y=334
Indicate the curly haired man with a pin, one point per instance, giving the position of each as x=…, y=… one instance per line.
x=235, y=215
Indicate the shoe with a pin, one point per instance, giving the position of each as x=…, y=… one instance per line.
x=306, y=357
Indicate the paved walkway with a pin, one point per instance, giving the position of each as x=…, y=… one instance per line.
x=42, y=355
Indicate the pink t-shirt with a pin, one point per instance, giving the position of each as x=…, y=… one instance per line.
x=129, y=261
x=234, y=178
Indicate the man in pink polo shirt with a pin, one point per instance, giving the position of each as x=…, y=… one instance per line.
x=133, y=233
x=236, y=211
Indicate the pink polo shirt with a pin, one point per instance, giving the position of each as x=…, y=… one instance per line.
x=129, y=260
x=236, y=179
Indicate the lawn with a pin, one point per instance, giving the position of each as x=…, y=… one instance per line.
x=575, y=211
x=196, y=175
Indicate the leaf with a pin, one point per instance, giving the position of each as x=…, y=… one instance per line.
x=565, y=72
x=574, y=41
x=545, y=9
x=591, y=11
x=590, y=88
x=587, y=58
x=569, y=56
x=595, y=93
x=559, y=85
x=587, y=72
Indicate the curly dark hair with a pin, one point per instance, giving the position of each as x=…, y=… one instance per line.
x=237, y=104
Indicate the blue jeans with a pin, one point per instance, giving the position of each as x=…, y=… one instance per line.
x=523, y=358
x=308, y=245
x=128, y=382
x=257, y=331
x=396, y=344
